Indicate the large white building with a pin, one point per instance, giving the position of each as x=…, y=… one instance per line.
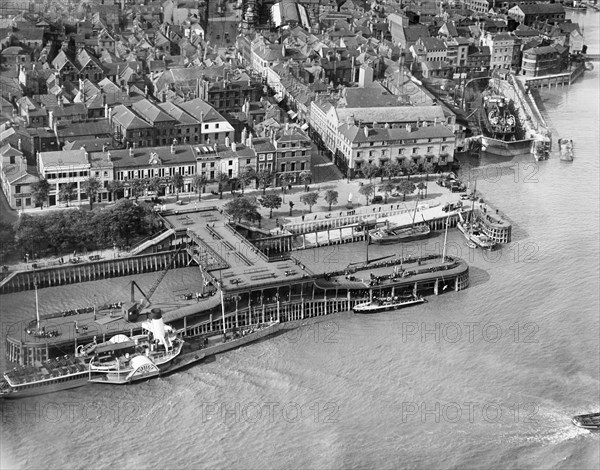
x=407, y=145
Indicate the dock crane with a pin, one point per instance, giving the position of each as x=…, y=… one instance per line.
x=132, y=310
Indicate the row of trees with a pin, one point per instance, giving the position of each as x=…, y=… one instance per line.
x=263, y=178
x=403, y=187
x=65, y=231
x=137, y=187
x=391, y=169
x=93, y=186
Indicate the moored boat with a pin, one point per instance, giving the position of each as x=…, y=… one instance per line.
x=566, y=149
x=123, y=359
x=53, y=375
x=390, y=303
x=474, y=235
x=587, y=421
x=384, y=236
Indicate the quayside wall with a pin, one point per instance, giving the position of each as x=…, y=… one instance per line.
x=93, y=270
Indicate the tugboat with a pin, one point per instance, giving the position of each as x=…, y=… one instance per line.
x=589, y=421
x=389, y=303
x=123, y=360
x=566, y=149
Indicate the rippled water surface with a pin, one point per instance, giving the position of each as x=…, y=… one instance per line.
x=488, y=377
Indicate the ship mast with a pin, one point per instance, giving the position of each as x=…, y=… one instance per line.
x=37, y=307
x=445, y=238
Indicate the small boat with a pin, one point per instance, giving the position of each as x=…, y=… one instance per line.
x=390, y=303
x=589, y=421
x=122, y=359
x=475, y=236
x=566, y=149
x=470, y=244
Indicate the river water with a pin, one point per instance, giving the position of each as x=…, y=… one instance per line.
x=487, y=377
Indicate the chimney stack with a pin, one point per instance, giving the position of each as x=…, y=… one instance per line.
x=366, y=129
x=233, y=147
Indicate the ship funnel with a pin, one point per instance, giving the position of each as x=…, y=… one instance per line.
x=158, y=327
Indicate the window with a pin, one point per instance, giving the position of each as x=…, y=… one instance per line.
x=205, y=127
x=18, y=202
x=415, y=150
x=18, y=189
x=429, y=149
x=230, y=162
x=217, y=126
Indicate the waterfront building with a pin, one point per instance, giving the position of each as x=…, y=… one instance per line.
x=326, y=120
x=544, y=60
x=429, y=142
x=529, y=13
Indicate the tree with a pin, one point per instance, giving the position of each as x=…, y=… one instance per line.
x=242, y=208
x=369, y=171
x=331, y=197
x=305, y=177
x=271, y=201
x=178, y=182
x=291, y=207
x=367, y=191
x=40, y=191
x=287, y=179
x=406, y=187
x=199, y=183
x=246, y=176
x=421, y=187
x=91, y=187
x=264, y=178
x=222, y=179
x=413, y=168
x=387, y=188
x=114, y=187
x=390, y=169
x=137, y=187
x=67, y=192
x=30, y=232
x=127, y=220
x=428, y=169
x=155, y=184
x=309, y=199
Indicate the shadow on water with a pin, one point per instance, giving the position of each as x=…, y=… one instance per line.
x=478, y=276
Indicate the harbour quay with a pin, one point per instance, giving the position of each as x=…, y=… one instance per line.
x=292, y=289
x=307, y=267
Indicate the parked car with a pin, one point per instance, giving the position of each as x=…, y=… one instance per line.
x=457, y=187
x=377, y=200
